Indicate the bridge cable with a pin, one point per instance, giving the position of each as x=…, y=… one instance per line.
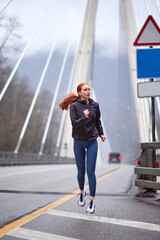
x=158, y=5
x=24, y=51
x=146, y=102
x=54, y=99
x=143, y=103
x=82, y=55
x=105, y=147
x=64, y=112
x=38, y=88
x=3, y=9
x=156, y=99
x=148, y=7
x=67, y=92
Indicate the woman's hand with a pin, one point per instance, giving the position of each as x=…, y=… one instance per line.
x=103, y=138
x=86, y=113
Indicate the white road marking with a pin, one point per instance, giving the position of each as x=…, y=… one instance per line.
x=23, y=233
x=121, y=222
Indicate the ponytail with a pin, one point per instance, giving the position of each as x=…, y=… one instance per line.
x=71, y=97
x=68, y=100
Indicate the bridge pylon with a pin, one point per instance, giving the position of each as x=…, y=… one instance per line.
x=81, y=71
x=142, y=105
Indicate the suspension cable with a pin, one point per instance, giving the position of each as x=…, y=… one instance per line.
x=54, y=99
x=148, y=7
x=24, y=51
x=156, y=99
x=106, y=143
x=38, y=88
x=4, y=8
x=68, y=90
x=158, y=5
x=88, y=8
x=144, y=102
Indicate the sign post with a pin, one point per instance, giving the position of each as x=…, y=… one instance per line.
x=148, y=65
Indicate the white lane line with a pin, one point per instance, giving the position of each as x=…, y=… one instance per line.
x=23, y=233
x=121, y=222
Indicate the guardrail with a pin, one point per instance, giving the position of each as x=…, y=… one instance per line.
x=150, y=145
x=10, y=159
x=149, y=173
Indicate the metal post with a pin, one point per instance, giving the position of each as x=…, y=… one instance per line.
x=153, y=126
x=153, y=116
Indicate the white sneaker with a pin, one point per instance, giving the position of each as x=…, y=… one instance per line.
x=91, y=207
x=81, y=200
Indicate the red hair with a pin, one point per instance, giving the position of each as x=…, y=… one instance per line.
x=70, y=98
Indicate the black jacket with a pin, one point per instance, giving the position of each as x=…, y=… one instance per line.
x=85, y=128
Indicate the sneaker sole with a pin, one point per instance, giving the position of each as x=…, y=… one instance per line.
x=90, y=212
x=81, y=205
x=84, y=202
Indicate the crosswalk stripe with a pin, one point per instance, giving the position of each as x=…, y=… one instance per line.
x=40, y=211
x=121, y=222
x=24, y=233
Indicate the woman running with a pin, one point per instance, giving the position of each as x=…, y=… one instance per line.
x=86, y=127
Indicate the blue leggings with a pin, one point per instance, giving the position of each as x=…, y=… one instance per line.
x=80, y=148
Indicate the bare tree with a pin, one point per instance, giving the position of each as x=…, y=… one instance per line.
x=9, y=27
x=16, y=102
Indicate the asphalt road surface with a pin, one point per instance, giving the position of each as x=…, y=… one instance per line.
x=40, y=202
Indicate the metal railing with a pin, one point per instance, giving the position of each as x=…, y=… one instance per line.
x=10, y=158
x=147, y=174
x=151, y=175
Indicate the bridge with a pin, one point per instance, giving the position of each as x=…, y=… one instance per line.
x=109, y=68
x=47, y=48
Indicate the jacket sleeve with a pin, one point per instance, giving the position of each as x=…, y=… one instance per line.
x=98, y=122
x=73, y=115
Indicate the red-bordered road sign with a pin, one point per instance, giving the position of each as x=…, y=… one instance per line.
x=149, y=34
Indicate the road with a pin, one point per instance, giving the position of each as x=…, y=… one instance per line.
x=40, y=202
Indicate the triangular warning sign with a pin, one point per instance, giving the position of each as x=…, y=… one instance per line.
x=149, y=34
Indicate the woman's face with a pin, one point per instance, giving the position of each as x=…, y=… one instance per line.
x=85, y=92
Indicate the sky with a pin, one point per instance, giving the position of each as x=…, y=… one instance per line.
x=65, y=17
x=143, y=8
